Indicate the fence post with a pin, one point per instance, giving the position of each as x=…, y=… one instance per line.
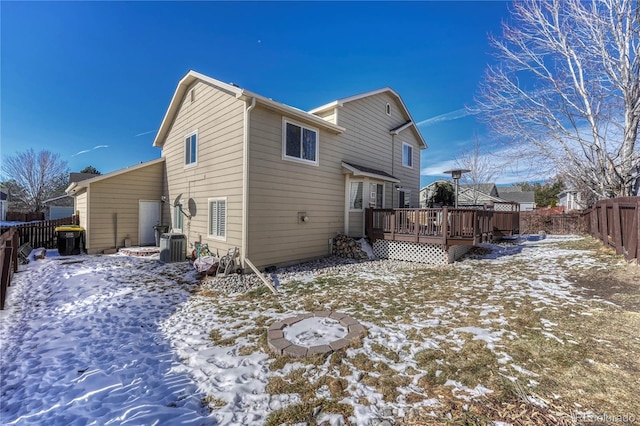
x=14, y=253
x=637, y=232
x=617, y=234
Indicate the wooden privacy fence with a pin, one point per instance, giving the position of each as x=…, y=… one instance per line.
x=616, y=222
x=41, y=234
x=553, y=224
x=8, y=261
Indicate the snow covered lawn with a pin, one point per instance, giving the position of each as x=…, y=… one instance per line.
x=503, y=333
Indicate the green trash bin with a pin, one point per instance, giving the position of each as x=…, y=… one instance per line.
x=71, y=239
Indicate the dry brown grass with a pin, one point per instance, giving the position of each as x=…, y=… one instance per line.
x=594, y=367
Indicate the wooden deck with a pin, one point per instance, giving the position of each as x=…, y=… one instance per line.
x=427, y=226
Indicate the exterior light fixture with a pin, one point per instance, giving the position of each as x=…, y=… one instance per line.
x=456, y=174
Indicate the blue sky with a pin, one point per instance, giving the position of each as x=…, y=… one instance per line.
x=92, y=80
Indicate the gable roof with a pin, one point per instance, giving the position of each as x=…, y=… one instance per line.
x=60, y=197
x=242, y=94
x=409, y=123
x=77, y=177
x=518, y=197
x=487, y=187
x=470, y=195
x=75, y=186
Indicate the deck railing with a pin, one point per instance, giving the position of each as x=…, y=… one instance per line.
x=445, y=226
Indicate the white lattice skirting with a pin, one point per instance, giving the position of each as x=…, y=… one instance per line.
x=433, y=254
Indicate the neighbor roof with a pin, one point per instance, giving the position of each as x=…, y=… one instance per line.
x=340, y=102
x=239, y=93
x=518, y=197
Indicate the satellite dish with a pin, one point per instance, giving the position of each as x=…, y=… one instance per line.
x=192, y=207
x=176, y=203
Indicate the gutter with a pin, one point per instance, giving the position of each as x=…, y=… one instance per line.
x=244, y=251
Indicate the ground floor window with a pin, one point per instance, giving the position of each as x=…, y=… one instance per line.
x=376, y=195
x=218, y=218
x=355, y=195
x=405, y=200
x=178, y=217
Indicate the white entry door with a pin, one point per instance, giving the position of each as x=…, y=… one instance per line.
x=149, y=217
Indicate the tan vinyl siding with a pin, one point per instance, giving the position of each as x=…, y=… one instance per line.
x=218, y=118
x=279, y=189
x=114, y=206
x=81, y=208
x=356, y=224
x=367, y=142
x=328, y=115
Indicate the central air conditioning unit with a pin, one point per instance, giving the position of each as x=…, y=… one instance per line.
x=173, y=247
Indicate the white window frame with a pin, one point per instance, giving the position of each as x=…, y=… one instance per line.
x=286, y=121
x=187, y=140
x=409, y=157
x=226, y=215
x=387, y=109
x=178, y=218
x=373, y=196
x=361, y=182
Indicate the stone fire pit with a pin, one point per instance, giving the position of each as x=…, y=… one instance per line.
x=321, y=332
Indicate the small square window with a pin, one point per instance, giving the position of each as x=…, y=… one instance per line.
x=407, y=155
x=300, y=143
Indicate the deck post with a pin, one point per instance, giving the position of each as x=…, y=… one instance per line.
x=416, y=224
x=445, y=225
x=393, y=224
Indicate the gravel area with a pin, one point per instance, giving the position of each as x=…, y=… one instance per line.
x=330, y=265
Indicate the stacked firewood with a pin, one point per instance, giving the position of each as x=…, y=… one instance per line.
x=344, y=246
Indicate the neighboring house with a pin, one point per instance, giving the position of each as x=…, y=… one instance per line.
x=488, y=188
x=571, y=199
x=469, y=196
x=62, y=206
x=428, y=192
x=249, y=172
x=515, y=194
x=58, y=207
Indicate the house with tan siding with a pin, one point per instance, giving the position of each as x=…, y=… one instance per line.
x=273, y=180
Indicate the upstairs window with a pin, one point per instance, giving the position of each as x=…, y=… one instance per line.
x=407, y=155
x=387, y=109
x=300, y=143
x=191, y=149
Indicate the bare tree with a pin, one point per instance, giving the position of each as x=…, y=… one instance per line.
x=566, y=90
x=35, y=177
x=483, y=167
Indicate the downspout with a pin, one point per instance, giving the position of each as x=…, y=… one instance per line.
x=244, y=252
x=393, y=161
